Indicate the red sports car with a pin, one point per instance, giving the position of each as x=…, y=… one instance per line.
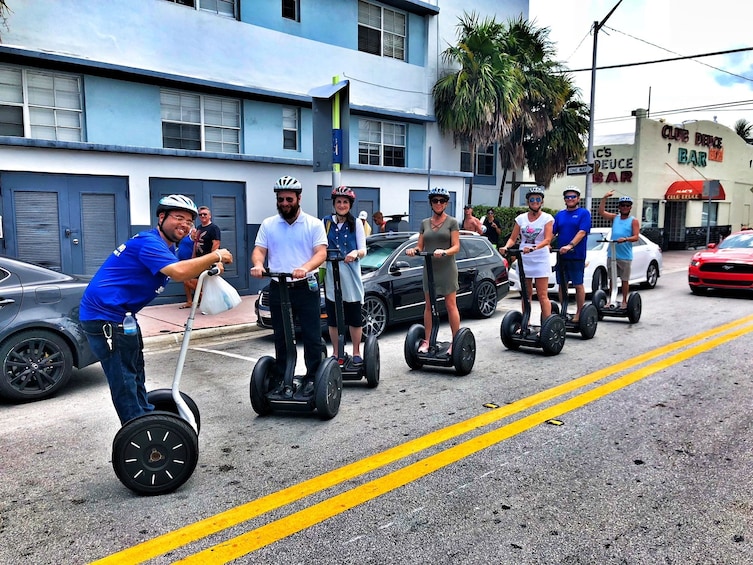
x=728, y=265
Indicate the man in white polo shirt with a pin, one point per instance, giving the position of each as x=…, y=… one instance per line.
x=293, y=242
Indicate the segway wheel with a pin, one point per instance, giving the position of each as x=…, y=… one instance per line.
x=262, y=382
x=328, y=384
x=371, y=361
x=599, y=300
x=155, y=453
x=412, y=343
x=463, y=351
x=162, y=399
x=512, y=323
x=553, y=335
x=589, y=319
x=634, y=307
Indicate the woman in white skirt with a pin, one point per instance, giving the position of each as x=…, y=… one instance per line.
x=535, y=231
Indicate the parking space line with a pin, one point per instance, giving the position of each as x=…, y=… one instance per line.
x=234, y=516
x=225, y=354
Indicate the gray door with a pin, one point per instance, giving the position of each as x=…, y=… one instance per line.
x=67, y=223
x=367, y=199
x=227, y=202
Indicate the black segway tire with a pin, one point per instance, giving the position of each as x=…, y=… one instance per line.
x=162, y=399
x=589, y=319
x=553, y=334
x=634, y=307
x=412, y=342
x=511, y=323
x=155, y=453
x=599, y=300
x=262, y=383
x=463, y=351
x=328, y=387
x=371, y=362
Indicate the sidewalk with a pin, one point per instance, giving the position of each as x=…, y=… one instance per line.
x=165, y=323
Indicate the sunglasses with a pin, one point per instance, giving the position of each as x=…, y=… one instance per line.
x=288, y=199
x=203, y=214
x=571, y=197
x=535, y=199
x=438, y=201
x=628, y=204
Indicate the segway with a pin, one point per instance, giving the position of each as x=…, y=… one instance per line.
x=612, y=308
x=369, y=369
x=516, y=330
x=589, y=315
x=157, y=452
x=272, y=392
x=463, y=354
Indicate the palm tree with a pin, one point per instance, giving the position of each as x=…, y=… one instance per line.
x=476, y=101
x=549, y=155
x=541, y=78
x=744, y=128
x=4, y=14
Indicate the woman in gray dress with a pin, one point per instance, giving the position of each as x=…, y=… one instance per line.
x=440, y=236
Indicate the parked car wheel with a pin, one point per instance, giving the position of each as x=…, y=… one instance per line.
x=652, y=275
x=484, y=300
x=374, y=316
x=36, y=364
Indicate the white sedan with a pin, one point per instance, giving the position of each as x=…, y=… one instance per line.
x=645, y=270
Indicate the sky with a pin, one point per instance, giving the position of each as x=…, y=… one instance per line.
x=649, y=30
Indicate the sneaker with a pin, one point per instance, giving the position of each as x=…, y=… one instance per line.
x=424, y=347
x=357, y=360
x=308, y=387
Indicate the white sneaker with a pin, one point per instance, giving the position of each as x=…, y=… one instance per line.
x=424, y=347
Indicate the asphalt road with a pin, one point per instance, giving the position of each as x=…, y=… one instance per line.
x=633, y=447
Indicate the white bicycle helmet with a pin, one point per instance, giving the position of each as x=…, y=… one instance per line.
x=625, y=199
x=177, y=202
x=439, y=191
x=571, y=188
x=288, y=183
x=540, y=190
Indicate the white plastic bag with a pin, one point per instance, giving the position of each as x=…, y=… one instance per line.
x=218, y=295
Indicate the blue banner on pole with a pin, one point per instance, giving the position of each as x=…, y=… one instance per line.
x=337, y=144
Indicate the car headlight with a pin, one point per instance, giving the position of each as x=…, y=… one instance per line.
x=694, y=262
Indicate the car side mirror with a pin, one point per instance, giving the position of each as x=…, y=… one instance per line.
x=712, y=246
x=397, y=266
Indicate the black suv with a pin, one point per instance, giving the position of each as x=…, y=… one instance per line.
x=393, y=281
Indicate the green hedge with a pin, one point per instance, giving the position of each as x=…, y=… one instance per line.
x=505, y=215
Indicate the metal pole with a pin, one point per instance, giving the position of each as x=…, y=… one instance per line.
x=336, y=180
x=590, y=155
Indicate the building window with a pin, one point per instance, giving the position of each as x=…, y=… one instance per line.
x=381, y=31
x=290, y=123
x=40, y=105
x=200, y=123
x=381, y=143
x=220, y=7
x=291, y=10
x=484, y=160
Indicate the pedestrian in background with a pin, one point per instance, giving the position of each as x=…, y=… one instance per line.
x=493, y=228
x=471, y=222
x=363, y=217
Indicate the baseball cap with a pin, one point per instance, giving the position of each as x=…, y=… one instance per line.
x=466, y=207
x=362, y=215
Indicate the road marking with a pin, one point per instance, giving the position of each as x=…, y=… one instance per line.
x=284, y=527
x=226, y=354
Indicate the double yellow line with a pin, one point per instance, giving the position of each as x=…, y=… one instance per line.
x=284, y=527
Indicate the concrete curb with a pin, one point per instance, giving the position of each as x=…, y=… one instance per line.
x=167, y=340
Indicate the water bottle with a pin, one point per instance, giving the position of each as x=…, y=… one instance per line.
x=129, y=325
x=313, y=284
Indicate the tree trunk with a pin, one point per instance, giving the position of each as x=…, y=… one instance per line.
x=502, y=188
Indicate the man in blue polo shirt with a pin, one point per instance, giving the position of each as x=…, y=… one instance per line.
x=293, y=242
x=129, y=279
x=572, y=226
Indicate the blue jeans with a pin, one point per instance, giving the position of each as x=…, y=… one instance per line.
x=123, y=366
x=304, y=304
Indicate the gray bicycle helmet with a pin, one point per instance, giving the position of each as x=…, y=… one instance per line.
x=288, y=183
x=177, y=202
x=571, y=188
x=540, y=190
x=439, y=191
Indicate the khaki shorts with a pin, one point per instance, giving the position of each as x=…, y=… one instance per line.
x=623, y=268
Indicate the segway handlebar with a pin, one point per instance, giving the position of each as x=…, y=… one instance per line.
x=335, y=255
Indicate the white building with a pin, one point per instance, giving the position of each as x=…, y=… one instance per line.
x=665, y=168
x=107, y=106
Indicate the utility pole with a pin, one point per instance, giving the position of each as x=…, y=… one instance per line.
x=590, y=151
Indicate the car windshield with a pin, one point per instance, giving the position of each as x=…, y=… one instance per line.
x=596, y=240
x=738, y=241
x=377, y=253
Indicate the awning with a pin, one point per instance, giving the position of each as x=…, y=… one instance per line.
x=691, y=190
